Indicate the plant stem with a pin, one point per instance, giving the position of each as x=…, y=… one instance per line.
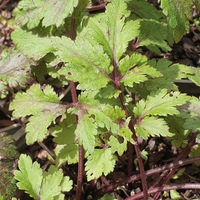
x=137, y=149
x=185, y=186
x=80, y=173
x=168, y=176
x=140, y=163
x=150, y=172
x=80, y=149
x=138, y=152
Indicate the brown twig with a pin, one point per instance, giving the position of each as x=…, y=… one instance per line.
x=98, y=8
x=150, y=172
x=4, y=3
x=166, y=175
x=185, y=186
x=51, y=153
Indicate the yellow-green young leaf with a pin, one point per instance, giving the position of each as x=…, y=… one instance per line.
x=175, y=195
x=38, y=184
x=51, y=183
x=101, y=161
x=43, y=105
x=139, y=74
x=29, y=176
x=64, y=132
x=127, y=63
x=179, y=173
x=178, y=13
x=107, y=116
x=124, y=131
x=152, y=126
x=66, y=153
x=118, y=146
x=66, y=184
x=86, y=131
x=90, y=69
x=30, y=44
x=160, y=103
x=134, y=69
x=144, y=154
x=112, y=31
x=36, y=128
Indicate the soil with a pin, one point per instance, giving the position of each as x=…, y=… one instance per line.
x=161, y=152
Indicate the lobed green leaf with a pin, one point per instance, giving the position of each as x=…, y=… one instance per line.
x=15, y=70
x=38, y=184
x=170, y=72
x=178, y=13
x=191, y=115
x=101, y=161
x=51, y=183
x=28, y=12
x=31, y=45
x=86, y=131
x=143, y=9
x=112, y=31
x=117, y=146
x=160, y=103
x=152, y=126
x=153, y=35
x=66, y=153
x=44, y=107
x=91, y=68
x=29, y=176
x=50, y=12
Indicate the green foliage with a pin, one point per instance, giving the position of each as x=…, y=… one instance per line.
x=102, y=161
x=122, y=94
x=43, y=44
x=83, y=68
x=15, y=71
x=178, y=13
x=50, y=12
x=108, y=197
x=44, y=108
x=38, y=184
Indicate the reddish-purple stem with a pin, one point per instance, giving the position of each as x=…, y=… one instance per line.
x=168, y=176
x=72, y=35
x=138, y=152
x=140, y=163
x=150, y=172
x=80, y=150
x=80, y=172
x=185, y=186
